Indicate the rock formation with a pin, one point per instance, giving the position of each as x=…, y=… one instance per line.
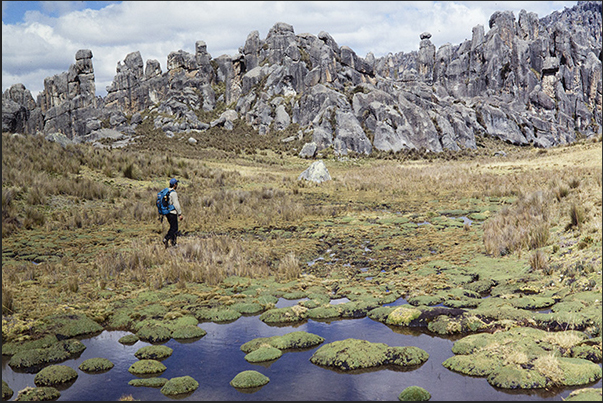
x=526, y=81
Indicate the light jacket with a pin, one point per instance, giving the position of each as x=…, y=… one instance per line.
x=174, y=201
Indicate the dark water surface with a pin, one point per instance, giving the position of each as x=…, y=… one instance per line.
x=216, y=358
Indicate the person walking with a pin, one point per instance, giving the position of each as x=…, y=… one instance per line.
x=173, y=215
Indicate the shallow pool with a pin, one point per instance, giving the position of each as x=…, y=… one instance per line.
x=216, y=358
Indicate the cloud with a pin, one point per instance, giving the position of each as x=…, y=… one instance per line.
x=47, y=39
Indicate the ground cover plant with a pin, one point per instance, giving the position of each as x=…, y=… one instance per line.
x=82, y=251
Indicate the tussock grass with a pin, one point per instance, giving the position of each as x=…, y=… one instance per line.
x=539, y=261
x=524, y=225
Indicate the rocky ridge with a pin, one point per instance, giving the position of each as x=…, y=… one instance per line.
x=528, y=81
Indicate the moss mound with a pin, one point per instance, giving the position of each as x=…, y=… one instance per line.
x=585, y=395
x=14, y=347
x=188, y=332
x=524, y=358
x=249, y=379
x=153, y=353
x=43, y=393
x=402, y=316
x=414, y=394
x=351, y=354
x=293, y=340
x=149, y=382
x=129, y=339
x=7, y=392
x=32, y=360
x=516, y=378
x=154, y=333
x=290, y=314
x=67, y=326
x=474, y=365
x=265, y=353
x=221, y=314
x=55, y=375
x=96, y=365
x=324, y=312
x=247, y=308
x=147, y=367
x=179, y=385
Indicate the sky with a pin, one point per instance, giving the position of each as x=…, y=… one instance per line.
x=40, y=38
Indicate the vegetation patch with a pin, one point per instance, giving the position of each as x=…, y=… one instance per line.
x=249, y=379
x=66, y=326
x=43, y=393
x=264, y=353
x=154, y=333
x=414, y=394
x=154, y=382
x=146, y=367
x=55, y=375
x=153, y=353
x=293, y=340
x=188, y=332
x=34, y=359
x=7, y=392
x=179, y=386
x=351, y=354
x=129, y=339
x=221, y=314
x=289, y=314
x=585, y=395
x=96, y=365
x=523, y=358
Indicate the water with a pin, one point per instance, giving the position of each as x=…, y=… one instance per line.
x=216, y=358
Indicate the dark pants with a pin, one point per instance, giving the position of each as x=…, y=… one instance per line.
x=173, y=231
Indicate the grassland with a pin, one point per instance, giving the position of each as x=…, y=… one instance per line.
x=80, y=228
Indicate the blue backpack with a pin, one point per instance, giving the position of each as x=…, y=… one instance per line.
x=163, y=201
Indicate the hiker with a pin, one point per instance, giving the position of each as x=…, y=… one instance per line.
x=173, y=215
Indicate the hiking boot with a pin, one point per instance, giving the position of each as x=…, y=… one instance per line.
x=165, y=243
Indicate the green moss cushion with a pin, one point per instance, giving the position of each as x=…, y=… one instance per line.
x=414, y=394
x=96, y=365
x=43, y=393
x=7, y=392
x=265, y=353
x=153, y=353
x=146, y=367
x=351, y=354
x=249, y=379
x=179, y=385
x=148, y=382
x=55, y=375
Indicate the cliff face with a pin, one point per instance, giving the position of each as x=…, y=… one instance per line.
x=527, y=81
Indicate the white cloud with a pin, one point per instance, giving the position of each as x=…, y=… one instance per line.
x=43, y=44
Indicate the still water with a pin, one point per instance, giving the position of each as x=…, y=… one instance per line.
x=216, y=358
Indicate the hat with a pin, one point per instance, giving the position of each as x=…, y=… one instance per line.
x=173, y=181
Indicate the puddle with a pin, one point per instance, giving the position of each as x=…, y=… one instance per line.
x=216, y=358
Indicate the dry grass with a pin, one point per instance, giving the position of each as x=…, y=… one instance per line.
x=539, y=261
x=548, y=366
x=524, y=225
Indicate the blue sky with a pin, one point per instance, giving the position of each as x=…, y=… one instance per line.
x=40, y=38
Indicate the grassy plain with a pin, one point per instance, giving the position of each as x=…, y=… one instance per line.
x=80, y=228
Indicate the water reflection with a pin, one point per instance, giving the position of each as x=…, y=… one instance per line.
x=216, y=358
